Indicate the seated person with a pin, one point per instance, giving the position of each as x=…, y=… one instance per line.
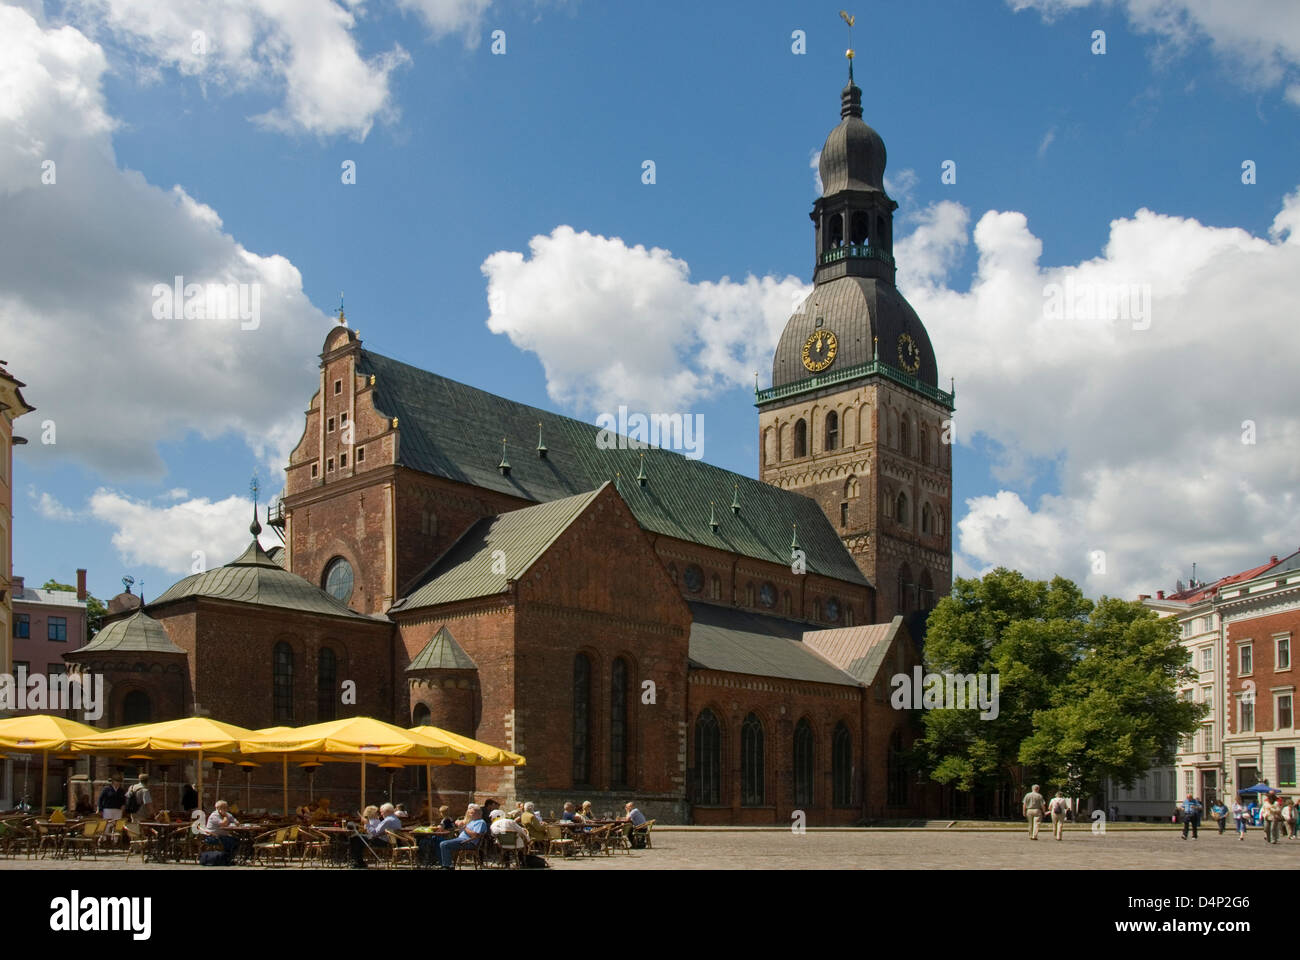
x=83, y=806
x=501, y=824
x=378, y=821
x=475, y=829
x=633, y=814
x=401, y=812
x=586, y=814
x=568, y=813
x=219, y=822
x=533, y=824
x=322, y=812
x=488, y=806
x=445, y=821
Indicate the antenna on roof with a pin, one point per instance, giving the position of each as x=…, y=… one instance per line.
x=504, y=465
x=713, y=517
x=735, y=498
x=641, y=478
x=541, y=447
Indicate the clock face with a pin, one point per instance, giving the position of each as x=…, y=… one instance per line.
x=819, y=350
x=909, y=354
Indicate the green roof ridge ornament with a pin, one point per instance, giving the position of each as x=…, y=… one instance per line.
x=794, y=540
x=504, y=465
x=641, y=478
x=713, y=517
x=735, y=498
x=254, y=528
x=541, y=447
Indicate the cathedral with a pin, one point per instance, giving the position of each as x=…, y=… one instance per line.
x=636, y=623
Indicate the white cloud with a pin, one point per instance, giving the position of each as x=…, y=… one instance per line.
x=79, y=259
x=168, y=536
x=304, y=47
x=815, y=162
x=573, y=301
x=1257, y=41
x=1142, y=427
x=1046, y=142
x=450, y=16
x=49, y=507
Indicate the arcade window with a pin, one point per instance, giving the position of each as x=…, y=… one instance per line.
x=58, y=629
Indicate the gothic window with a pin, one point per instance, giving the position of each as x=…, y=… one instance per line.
x=847, y=427
x=428, y=522
x=844, y=514
x=835, y=234
x=851, y=488
x=136, y=708
x=708, y=759
x=817, y=609
x=618, y=723
x=581, y=719
x=780, y=442
x=338, y=579
x=769, y=453
x=841, y=766
x=282, y=682
x=803, y=764
x=420, y=716
x=900, y=508
x=848, y=616
x=786, y=605
x=715, y=587
x=904, y=438
x=832, y=430
x=925, y=518
x=897, y=772
x=926, y=598
x=800, y=439
x=326, y=679
x=889, y=503
x=749, y=594
x=752, y=793
x=904, y=588
x=925, y=445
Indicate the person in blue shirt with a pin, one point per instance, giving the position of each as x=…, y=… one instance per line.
x=376, y=834
x=472, y=832
x=634, y=814
x=1253, y=810
x=1220, y=812
x=1191, y=815
x=569, y=812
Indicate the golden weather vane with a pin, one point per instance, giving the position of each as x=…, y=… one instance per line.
x=849, y=19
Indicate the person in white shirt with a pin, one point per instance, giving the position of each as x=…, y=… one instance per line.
x=1240, y=814
x=219, y=822
x=501, y=825
x=1059, y=807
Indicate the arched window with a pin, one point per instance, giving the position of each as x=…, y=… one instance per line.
x=851, y=488
x=327, y=671
x=925, y=445
x=803, y=764
x=618, y=723
x=770, y=454
x=338, y=579
x=715, y=587
x=832, y=430
x=752, y=793
x=581, y=719
x=420, y=715
x=897, y=772
x=841, y=766
x=708, y=759
x=900, y=510
x=282, y=682
x=786, y=603
x=800, y=439
x=749, y=594
x=939, y=528
x=904, y=437
x=136, y=708
x=926, y=599
x=860, y=227
x=817, y=609
x=835, y=232
x=925, y=518
x=904, y=588
x=848, y=616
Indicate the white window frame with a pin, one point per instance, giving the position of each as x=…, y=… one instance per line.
x=1246, y=648
x=1277, y=696
x=1280, y=643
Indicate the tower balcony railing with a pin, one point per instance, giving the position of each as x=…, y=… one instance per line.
x=855, y=251
x=275, y=513
x=873, y=368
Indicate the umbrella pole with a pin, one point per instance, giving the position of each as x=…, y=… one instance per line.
x=285, y=797
x=200, y=783
x=363, y=784
x=45, y=769
x=428, y=782
x=248, y=789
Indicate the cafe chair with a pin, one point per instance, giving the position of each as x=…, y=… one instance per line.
x=402, y=849
x=510, y=847
x=556, y=840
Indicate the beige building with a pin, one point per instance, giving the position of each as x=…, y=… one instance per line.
x=12, y=406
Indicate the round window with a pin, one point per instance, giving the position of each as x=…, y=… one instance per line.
x=832, y=610
x=693, y=577
x=338, y=579
x=767, y=595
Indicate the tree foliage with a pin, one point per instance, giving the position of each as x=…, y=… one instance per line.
x=95, y=608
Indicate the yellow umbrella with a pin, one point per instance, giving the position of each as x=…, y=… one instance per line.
x=354, y=737
x=43, y=733
x=185, y=735
x=472, y=752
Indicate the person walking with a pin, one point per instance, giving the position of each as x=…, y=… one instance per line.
x=1191, y=815
x=1240, y=814
x=1220, y=814
x=1289, y=818
x=1032, y=808
x=139, y=801
x=112, y=799
x=1271, y=811
x=1060, y=810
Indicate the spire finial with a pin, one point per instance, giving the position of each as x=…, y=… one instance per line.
x=875, y=349
x=343, y=321
x=641, y=478
x=254, y=528
x=713, y=517
x=849, y=19
x=504, y=465
x=735, y=498
x=541, y=447
x=794, y=539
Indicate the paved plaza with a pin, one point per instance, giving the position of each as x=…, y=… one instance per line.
x=934, y=848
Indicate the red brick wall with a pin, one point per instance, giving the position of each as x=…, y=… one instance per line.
x=1260, y=632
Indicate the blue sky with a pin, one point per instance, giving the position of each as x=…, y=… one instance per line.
x=461, y=154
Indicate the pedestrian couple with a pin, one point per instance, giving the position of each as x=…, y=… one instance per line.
x=1033, y=805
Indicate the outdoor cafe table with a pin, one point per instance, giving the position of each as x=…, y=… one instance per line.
x=164, y=843
x=60, y=832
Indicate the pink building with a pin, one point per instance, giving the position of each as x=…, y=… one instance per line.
x=46, y=625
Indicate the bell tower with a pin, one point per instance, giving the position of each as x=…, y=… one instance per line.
x=855, y=418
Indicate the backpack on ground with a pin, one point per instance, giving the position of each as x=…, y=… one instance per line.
x=132, y=801
x=214, y=858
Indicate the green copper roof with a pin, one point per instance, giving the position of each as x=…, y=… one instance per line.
x=737, y=641
x=452, y=430
x=442, y=652
x=138, y=633
x=255, y=578
x=494, y=551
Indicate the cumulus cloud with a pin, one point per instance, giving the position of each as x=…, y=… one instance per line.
x=1256, y=41
x=1141, y=420
x=176, y=536
x=450, y=16
x=575, y=297
x=306, y=48
x=80, y=259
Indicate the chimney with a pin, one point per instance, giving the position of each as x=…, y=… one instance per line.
x=81, y=585
x=1144, y=596
x=1273, y=559
x=1160, y=594
x=17, y=583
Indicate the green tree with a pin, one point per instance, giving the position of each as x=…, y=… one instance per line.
x=1085, y=691
x=95, y=609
